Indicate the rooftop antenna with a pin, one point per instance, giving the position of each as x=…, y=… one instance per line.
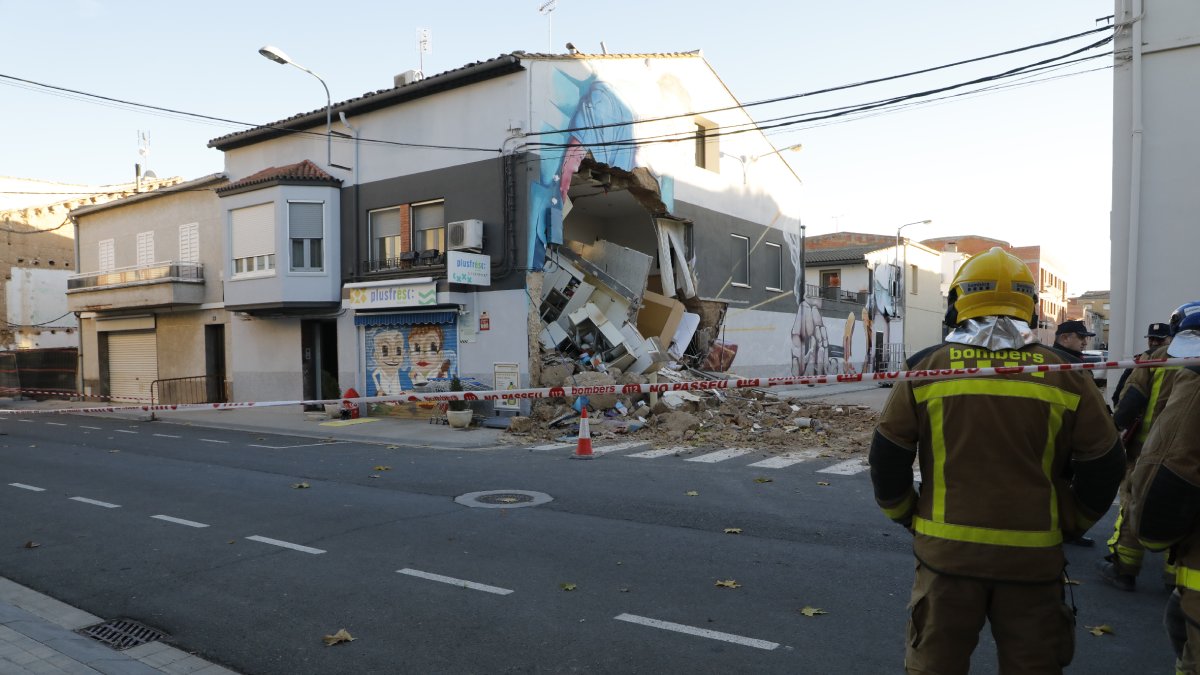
x=546, y=8
x=144, y=153
x=424, y=46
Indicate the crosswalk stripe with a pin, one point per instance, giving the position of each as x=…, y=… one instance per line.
x=553, y=446
x=721, y=455
x=602, y=449
x=846, y=468
x=660, y=452
x=787, y=459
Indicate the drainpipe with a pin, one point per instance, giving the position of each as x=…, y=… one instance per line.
x=354, y=132
x=1135, y=175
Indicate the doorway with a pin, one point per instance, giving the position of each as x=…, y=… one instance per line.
x=214, y=363
x=318, y=344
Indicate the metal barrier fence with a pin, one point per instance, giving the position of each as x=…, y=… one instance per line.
x=195, y=389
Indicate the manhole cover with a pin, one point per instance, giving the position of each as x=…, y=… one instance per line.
x=122, y=634
x=503, y=499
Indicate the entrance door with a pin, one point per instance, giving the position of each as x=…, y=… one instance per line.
x=214, y=363
x=132, y=365
x=318, y=344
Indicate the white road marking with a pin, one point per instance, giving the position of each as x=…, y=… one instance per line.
x=167, y=436
x=286, y=544
x=56, y=424
x=602, y=449
x=21, y=420
x=288, y=447
x=462, y=583
x=92, y=428
x=846, y=468
x=210, y=440
x=787, y=459
x=554, y=446
x=28, y=487
x=93, y=502
x=698, y=632
x=179, y=521
x=124, y=431
x=660, y=452
x=721, y=455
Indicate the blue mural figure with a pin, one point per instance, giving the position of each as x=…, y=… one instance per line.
x=585, y=105
x=386, y=362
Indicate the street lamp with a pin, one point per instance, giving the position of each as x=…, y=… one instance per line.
x=276, y=54
x=743, y=159
x=900, y=291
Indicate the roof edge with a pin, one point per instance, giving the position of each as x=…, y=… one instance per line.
x=185, y=186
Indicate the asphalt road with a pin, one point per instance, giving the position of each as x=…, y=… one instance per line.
x=200, y=532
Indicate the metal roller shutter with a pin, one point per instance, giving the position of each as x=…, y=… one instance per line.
x=132, y=365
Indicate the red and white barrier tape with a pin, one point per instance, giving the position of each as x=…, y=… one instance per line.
x=695, y=385
x=6, y=391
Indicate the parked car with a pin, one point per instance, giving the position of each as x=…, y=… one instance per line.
x=1097, y=356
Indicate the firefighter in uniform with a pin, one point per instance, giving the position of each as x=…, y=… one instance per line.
x=1143, y=398
x=1011, y=466
x=1158, y=335
x=1166, y=491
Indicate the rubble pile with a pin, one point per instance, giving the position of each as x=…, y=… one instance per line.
x=614, y=315
x=712, y=418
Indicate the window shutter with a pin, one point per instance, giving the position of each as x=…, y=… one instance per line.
x=305, y=220
x=145, y=248
x=189, y=242
x=385, y=223
x=107, y=257
x=428, y=216
x=253, y=230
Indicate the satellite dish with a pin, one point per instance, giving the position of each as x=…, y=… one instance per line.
x=149, y=174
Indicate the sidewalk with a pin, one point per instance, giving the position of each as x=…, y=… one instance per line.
x=37, y=636
x=291, y=420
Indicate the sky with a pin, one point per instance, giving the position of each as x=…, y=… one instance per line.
x=1027, y=164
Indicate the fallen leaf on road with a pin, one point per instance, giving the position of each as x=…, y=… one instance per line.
x=301, y=486
x=338, y=638
x=812, y=611
x=729, y=583
x=733, y=530
x=567, y=587
x=32, y=544
x=374, y=475
x=823, y=483
x=113, y=451
x=1100, y=630
x=261, y=438
x=231, y=541
x=764, y=480
x=382, y=468
x=393, y=447
x=692, y=493
x=624, y=590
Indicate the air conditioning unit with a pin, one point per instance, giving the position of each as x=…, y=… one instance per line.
x=464, y=235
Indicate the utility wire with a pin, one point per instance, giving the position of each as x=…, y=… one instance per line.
x=11, y=231
x=210, y=118
x=828, y=89
x=40, y=325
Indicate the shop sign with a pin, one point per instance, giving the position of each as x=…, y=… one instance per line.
x=399, y=295
x=469, y=268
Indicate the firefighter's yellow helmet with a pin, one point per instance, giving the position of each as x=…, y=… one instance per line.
x=995, y=283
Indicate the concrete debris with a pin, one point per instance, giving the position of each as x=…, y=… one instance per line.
x=520, y=425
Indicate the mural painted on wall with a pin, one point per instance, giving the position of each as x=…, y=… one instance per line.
x=400, y=358
x=813, y=353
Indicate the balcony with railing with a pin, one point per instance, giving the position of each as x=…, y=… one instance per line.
x=157, y=284
x=421, y=262
x=836, y=294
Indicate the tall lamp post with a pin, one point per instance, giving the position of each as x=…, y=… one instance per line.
x=901, y=291
x=276, y=54
x=743, y=160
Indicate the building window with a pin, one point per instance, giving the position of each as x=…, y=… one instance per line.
x=429, y=226
x=912, y=279
x=189, y=242
x=386, y=228
x=145, y=248
x=740, y=275
x=774, y=267
x=707, y=145
x=253, y=238
x=306, y=232
x=831, y=278
x=107, y=255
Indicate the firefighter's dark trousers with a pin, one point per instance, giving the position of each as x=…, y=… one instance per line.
x=1033, y=628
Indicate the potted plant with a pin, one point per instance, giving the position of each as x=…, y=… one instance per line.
x=458, y=413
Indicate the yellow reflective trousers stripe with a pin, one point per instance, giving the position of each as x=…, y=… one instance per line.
x=987, y=535
x=1187, y=578
x=933, y=395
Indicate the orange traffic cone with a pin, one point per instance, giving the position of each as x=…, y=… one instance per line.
x=583, y=449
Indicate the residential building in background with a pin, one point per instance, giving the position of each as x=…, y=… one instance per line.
x=1095, y=309
x=148, y=293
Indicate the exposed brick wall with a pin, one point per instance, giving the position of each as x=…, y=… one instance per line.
x=843, y=239
x=405, y=228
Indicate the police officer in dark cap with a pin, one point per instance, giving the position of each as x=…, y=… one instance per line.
x=1071, y=337
x=1157, y=335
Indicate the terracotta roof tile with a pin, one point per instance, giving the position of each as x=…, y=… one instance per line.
x=304, y=171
